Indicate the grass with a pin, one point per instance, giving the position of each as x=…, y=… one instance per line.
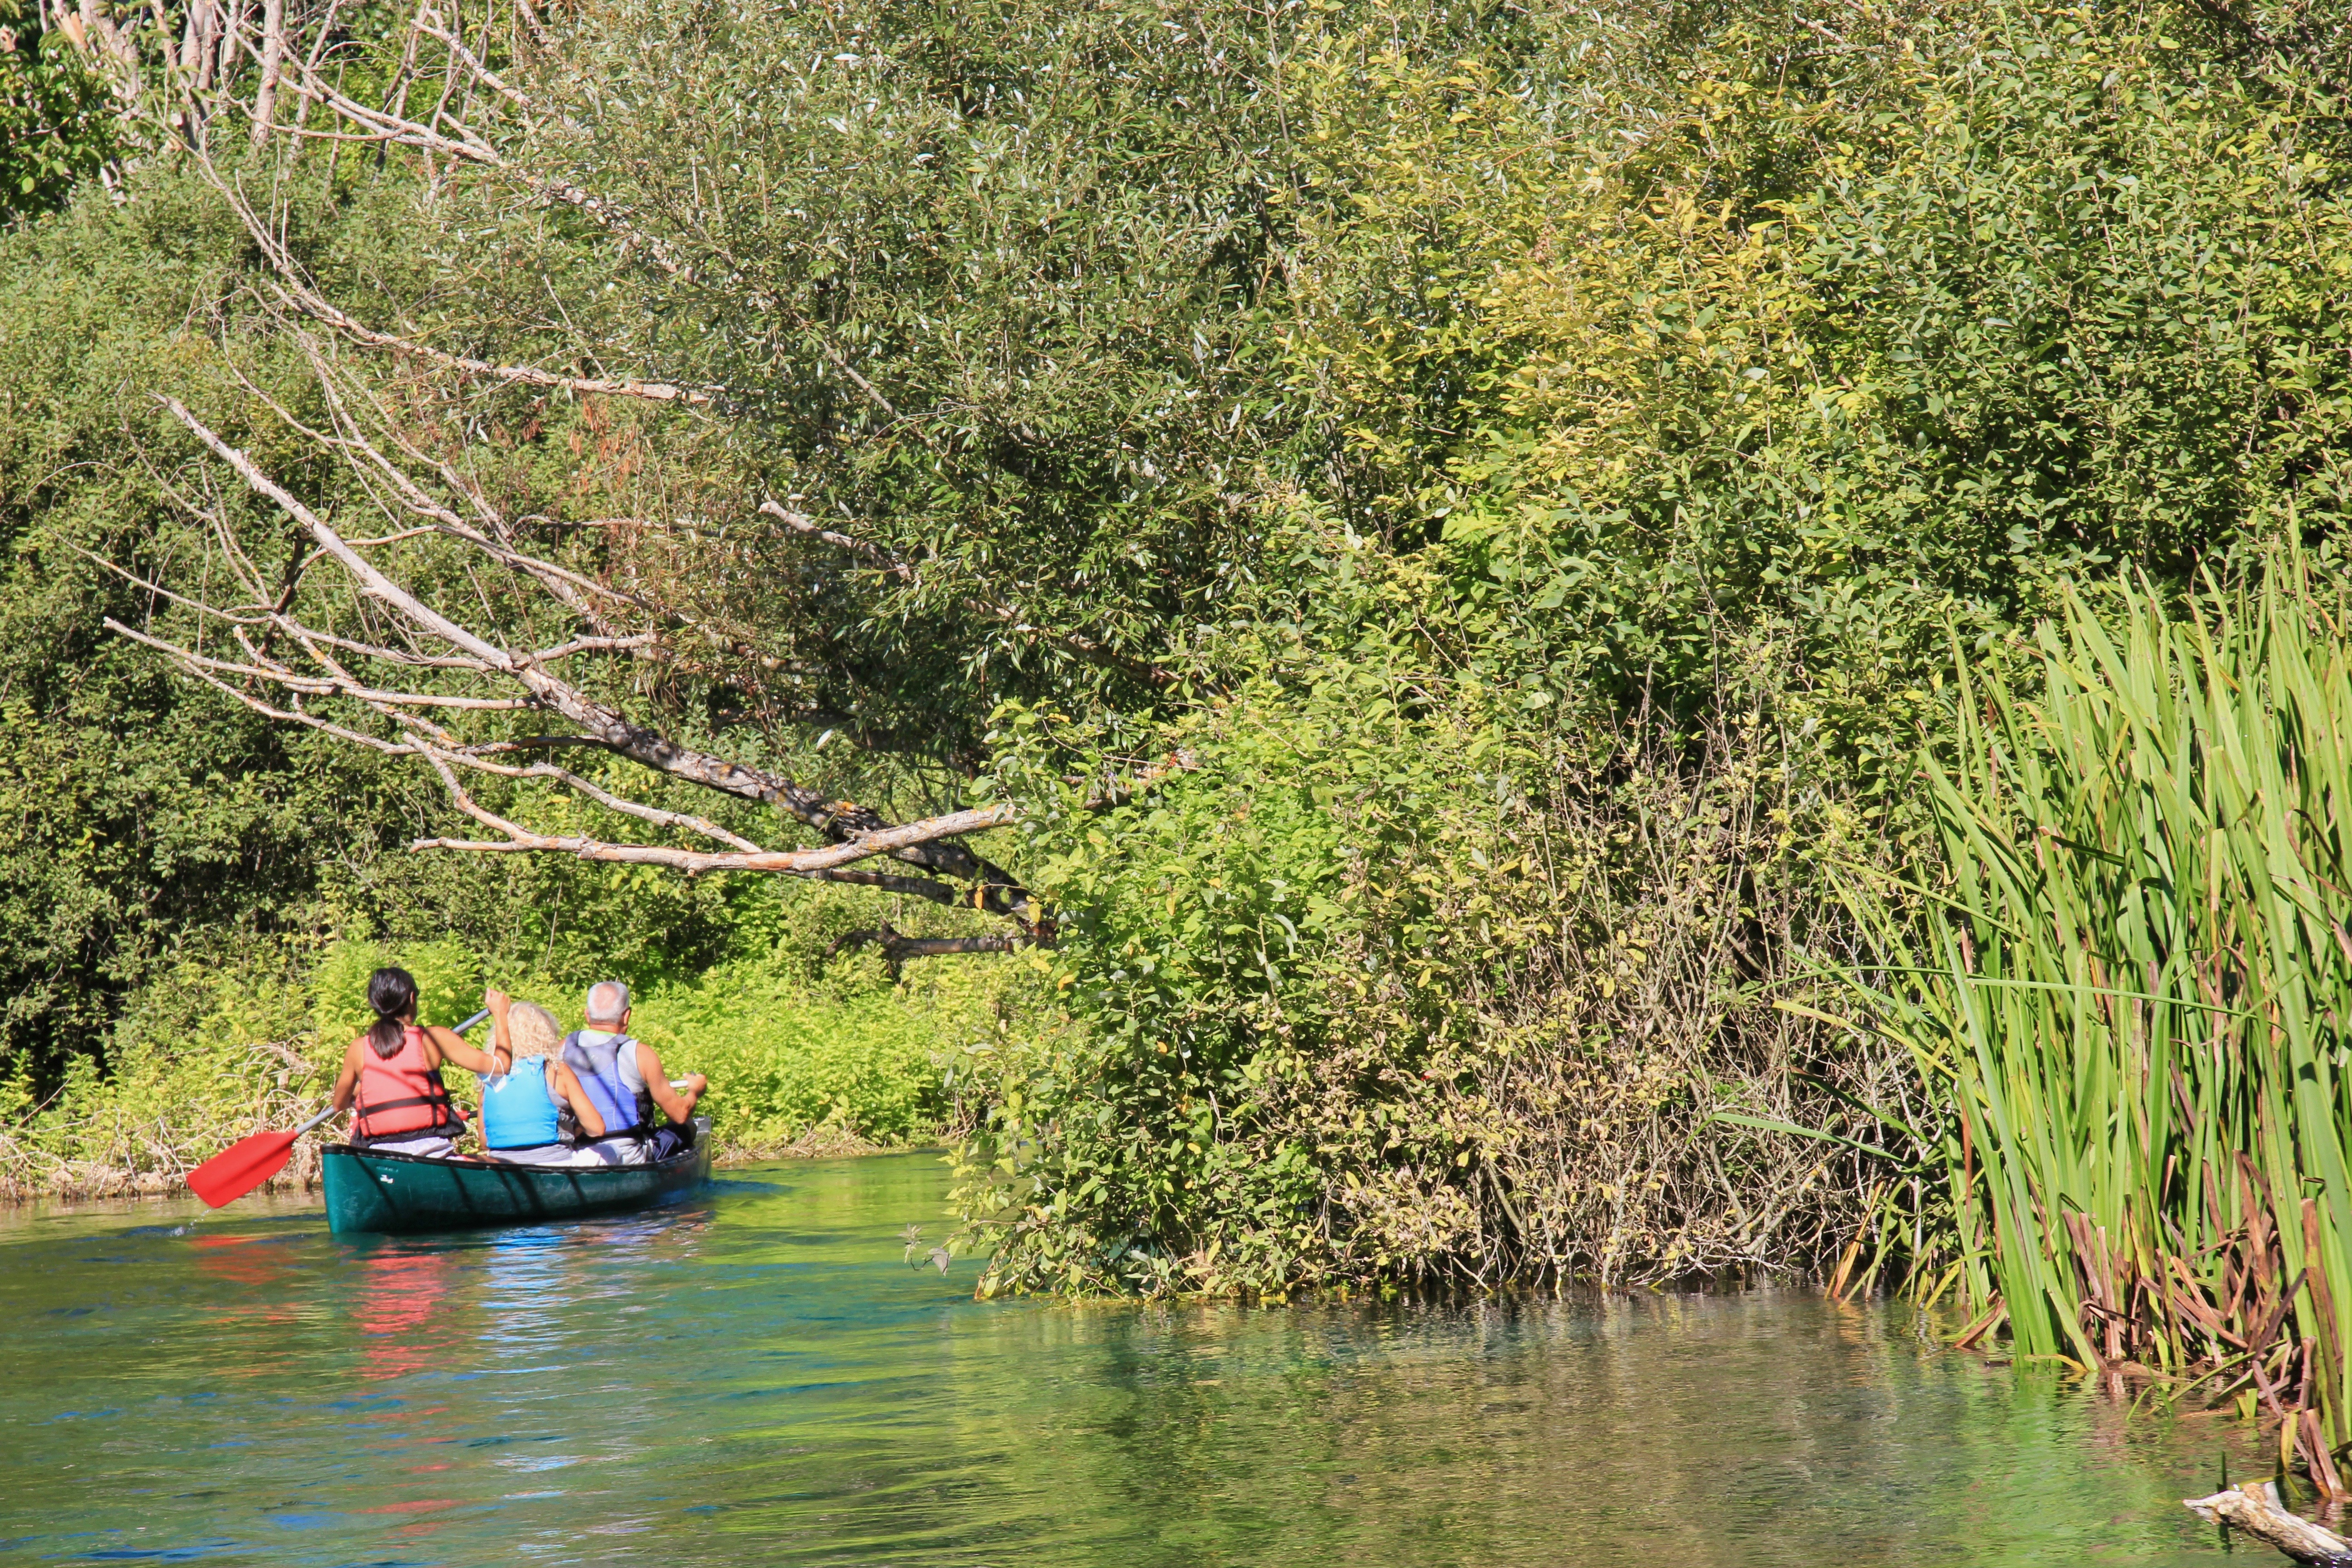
x=2136, y=991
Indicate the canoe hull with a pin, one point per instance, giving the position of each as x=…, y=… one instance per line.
x=370, y=1193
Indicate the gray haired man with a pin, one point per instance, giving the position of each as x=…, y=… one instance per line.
x=625, y=1078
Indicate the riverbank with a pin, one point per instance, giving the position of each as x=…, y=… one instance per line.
x=82, y=1184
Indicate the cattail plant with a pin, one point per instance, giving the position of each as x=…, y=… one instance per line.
x=2133, y=983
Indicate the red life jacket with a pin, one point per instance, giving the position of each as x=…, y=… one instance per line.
x=399, y=1096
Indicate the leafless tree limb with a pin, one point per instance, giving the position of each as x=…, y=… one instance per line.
x=859, y=833
x=296, y=291
x=604, y=797
x=797, y=862
x=896, y=948
x=133, y=578
x=463, y=143
x=314, y=686
x=317, y=307
x=309, y=720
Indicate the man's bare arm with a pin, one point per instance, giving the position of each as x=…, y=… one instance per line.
x=677, y=1104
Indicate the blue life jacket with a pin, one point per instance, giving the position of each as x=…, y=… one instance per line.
x=598, y=1068
x=518, y=1110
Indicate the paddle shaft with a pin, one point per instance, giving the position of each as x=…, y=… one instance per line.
x=313, y=1122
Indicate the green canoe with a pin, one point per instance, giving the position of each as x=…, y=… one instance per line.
x=369, y=1190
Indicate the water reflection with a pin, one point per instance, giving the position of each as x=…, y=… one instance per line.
x=526, y=1288
x=403, y=1327
x=759, y=1378
x=252, y=1302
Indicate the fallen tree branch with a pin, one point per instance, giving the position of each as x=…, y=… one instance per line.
x=656, y=815
x=859, y=831
x=2256, y=1511
x=295, y=290
x=319, y=308
x=312, y=686
x=296, y=716
x=793, y=862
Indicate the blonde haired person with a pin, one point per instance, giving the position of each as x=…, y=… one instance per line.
x=520, y=1106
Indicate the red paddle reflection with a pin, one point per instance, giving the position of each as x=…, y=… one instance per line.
x=261, y=1297
x=400, y=1314
x=236, y=1260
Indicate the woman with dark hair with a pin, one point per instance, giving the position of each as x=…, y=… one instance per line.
x=393, y=1072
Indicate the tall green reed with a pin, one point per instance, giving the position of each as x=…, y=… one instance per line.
x=2134, y=984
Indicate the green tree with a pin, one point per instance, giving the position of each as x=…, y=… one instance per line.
x=59, y=124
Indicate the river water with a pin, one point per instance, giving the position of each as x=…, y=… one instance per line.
x=757, y=1376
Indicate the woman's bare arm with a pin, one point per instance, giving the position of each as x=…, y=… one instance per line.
x=452, y=1048
x=502, y=1042
x=567, y=1089
x=347, y=1082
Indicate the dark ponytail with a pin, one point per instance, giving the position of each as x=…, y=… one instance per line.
x=392, y=994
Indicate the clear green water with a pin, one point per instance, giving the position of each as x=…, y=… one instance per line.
x=757, y=1377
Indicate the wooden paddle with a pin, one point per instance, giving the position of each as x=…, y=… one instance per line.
x=246, y=1164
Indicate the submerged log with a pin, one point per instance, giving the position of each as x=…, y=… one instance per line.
x=2256, y=1511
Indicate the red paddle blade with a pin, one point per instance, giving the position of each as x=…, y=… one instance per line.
x=241, y=1167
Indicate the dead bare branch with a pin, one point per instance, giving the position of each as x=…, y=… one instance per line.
x=896, y=947
x=859, y=832
x=793, y=862
x=310, y=721
x=163, y=593
x=320, y=308
x=657, y=816
x=314, y=686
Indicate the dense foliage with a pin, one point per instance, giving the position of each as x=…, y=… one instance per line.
x=58, y=124
x=1512, y=481
x=1724, y=393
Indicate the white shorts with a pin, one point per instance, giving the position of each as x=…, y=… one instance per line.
x=433, y=1148
x=550, y=1154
